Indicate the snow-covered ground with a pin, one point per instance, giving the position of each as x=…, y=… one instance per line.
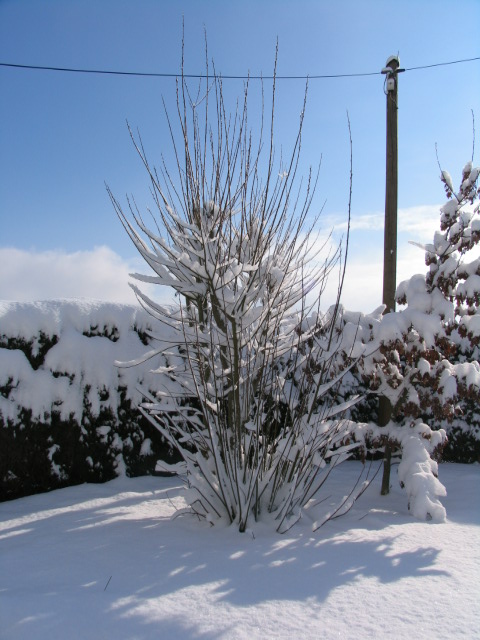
x=108, y=561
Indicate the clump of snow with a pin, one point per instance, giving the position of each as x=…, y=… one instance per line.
x=446, y=177
x=146, y=448
x=418, y=473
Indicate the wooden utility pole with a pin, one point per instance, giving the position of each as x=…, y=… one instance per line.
x=391, y=71
x=391, y=186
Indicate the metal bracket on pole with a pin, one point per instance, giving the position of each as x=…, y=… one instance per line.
x=391, y=70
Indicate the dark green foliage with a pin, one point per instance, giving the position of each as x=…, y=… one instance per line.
x=103, y=332
x=34, y=350
x=462, y=446
x=143, y=335
x=38, y=455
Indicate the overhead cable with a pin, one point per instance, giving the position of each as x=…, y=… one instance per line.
x=221, y=76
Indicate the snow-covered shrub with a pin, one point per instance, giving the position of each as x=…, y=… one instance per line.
x=67, y=414
x=258, y=439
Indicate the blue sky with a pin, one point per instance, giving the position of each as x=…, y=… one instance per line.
x=62, y=136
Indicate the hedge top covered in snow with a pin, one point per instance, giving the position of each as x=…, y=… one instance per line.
x=27, y=320
x=56, y=351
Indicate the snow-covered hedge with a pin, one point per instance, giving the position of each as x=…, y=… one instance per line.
x=67, y=413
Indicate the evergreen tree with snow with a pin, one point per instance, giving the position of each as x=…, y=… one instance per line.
x=424, y=357
x=430, y=364
x=447, y=382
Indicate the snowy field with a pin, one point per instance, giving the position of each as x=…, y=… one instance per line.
x=108, y=561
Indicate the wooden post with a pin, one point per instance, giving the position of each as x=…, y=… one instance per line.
x=390, y=233
x=391, y=187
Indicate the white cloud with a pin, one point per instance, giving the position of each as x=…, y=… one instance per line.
x=362, y=290
x=363, y=285
x=420, y=221
x=99, y=273
x=103, y=274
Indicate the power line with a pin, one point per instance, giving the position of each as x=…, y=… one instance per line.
x=185, y=75
x=441, y=64
x=220, y=76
